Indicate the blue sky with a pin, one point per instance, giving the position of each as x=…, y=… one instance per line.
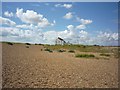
x=76, y=22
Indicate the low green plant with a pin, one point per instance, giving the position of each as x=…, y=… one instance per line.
x=9, y=43
x=27, y=43
x=85, y=55
x=71, y=51
x=104, y=54
x=27, y=46
x=40, y=44
x=51, y=51
x=84, y=46
x=61, y=50
x=47, y=49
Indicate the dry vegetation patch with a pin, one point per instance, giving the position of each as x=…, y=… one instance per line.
x=104, y=54
x=71, y=51
x=84, y=55
x=61, y=51
x=49, y=50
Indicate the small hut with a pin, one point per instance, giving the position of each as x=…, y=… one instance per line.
x=60, y=41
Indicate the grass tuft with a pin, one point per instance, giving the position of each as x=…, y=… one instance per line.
x=27, y=43
x=27, y=46
x=61, y=50
x=71, y=51
x=81, y=48
x=103, y=54
x=47, y=49
x=36, y=44
x=9, y=43
x=84, y=55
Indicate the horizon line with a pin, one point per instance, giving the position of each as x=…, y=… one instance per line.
x=61, y=45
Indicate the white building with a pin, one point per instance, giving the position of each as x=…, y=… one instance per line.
x=59, y=41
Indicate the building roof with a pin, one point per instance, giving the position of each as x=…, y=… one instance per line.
x=60, y=38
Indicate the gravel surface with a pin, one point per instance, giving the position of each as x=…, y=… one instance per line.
x=35, y=68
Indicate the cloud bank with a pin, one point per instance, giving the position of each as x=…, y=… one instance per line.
x=33, y=25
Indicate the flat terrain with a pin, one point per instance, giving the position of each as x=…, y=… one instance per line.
x=34, y=67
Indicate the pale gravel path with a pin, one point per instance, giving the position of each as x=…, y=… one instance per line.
x=30, y=67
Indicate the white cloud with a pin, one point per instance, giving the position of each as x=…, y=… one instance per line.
x=54, y=22
x=67, y=6
x=83, y=21
x=23, y=26
x=103, y=38
x=57, y=5
x=8, y=14
x=82, y=32
x=31, y=32
x=71, y=34
x=19, y=35
x=29, y=16
x=115, y=36
x=80, y=27
x=64, y=5
x=106, y=36
x=32, y=17
x=27, y=26
x=68, y=15
x=50, y=36
x=70, y=27
x=6, y=21
x=9, y=31
x=44, y=22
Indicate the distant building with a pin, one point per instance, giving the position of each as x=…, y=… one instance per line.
x=60, y=41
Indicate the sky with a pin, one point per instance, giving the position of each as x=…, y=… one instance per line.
x=86, y=23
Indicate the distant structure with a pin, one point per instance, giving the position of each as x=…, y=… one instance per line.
x=60, y=41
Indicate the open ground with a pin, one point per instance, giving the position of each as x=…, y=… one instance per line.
x=56, y=66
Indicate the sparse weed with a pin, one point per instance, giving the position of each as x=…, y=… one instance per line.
x=27, y=43
x=71, y=51
x=9, y=43
x=27, y=46
x=103, y=54
x=84, y=55
x=61, y=50
x=47, y=49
